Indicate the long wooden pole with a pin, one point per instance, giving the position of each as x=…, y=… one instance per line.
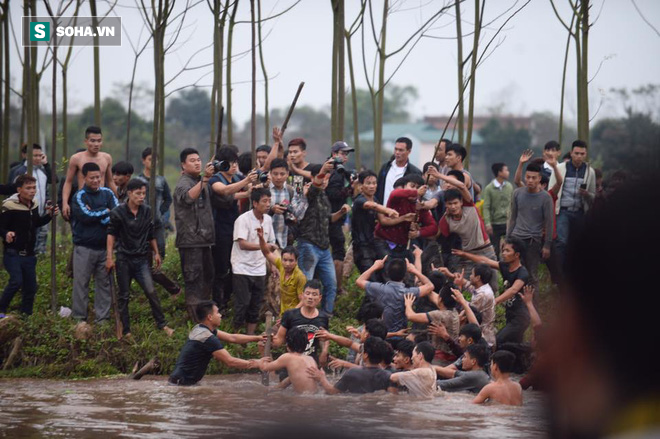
x=253, y=121
x=292, y=107
x=265, y=378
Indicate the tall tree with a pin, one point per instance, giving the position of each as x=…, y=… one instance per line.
x=348, y=35
x=219, y=11
x=65, y=90
x=479, y=6
x=4, y=92
x=230, y=41
x=97, y=66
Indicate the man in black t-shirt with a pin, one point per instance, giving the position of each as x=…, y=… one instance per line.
x=310, y=319
x=204, y=343
x=367, y=379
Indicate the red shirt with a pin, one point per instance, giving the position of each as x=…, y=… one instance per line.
x=399, y=201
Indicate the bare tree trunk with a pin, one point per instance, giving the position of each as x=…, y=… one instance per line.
x=216, y=89
x=28, y=96
x=341, y=73
x=253, y=120
x=478, y=14
x=380, y=91
x=65, y=92
x=263, y=71
x=461, y=76
x=230, y=39
x=97, y=68
x=563, y=84
x=5, y=115
x=333, y=91
x=584, y=71
x=356, y=128
x=53, y=183
x=130, y=106
x=4, y=152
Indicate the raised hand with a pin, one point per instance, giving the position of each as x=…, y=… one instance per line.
x=526, y=155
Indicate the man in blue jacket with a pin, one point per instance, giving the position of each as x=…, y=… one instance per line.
x=90, y=217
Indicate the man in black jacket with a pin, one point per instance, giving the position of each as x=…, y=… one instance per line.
x=132, y=228
x=90, y=216
x=19, y=221
x=399, y=166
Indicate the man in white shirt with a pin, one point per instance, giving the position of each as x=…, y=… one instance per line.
x=248, y=264
x=396, y=168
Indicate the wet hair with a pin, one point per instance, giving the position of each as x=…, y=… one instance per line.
x=427, y=165
x=203, y=309
x=135, y=183
x=258, y=193
x=452, y=194
x=534, y=167
x=227, y=154
x=376, y=328
x=362, y=176
x=146, y=152
x=296, y=339
x=505, y=360
x=405, y=140
x=470, y=330
x=186, y=152
x=298, y=141
x=579, y=144
x=122, y=168
x=244, y=163
x=291, y=250
x=24, y=179
x=517, y=244
x=90, y=167
x=279, y=163
x=552, y=145
x=400, y=182
x=369, y=310
x=438, y=280
x=34, y=146
x=406, y=347
x=497, y=168
x=416, y=179
x=479, y=353
x=314, y=284
x=484, y=272
x=446, y=296
x=458, y=175
x=376, y=349
x=92, y=130
x=458, y=150
x=427, y=350
x=263, y=148
x=389, y=354
x=397, y=270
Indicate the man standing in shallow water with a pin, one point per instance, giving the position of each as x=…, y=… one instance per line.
x=205, y=342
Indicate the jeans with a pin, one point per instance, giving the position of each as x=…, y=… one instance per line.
x=42, y=239
x=22, y=275
x=136, y=268
x=311, y=259
x=88, y=262
x=566, y=221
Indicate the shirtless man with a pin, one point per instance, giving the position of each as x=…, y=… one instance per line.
x=295, y=362
x=93, y=141
x=502, y=390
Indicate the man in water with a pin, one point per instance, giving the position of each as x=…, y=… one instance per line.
x=421, y=380
x=295, y=362
x=204, y=342
x=502, y=390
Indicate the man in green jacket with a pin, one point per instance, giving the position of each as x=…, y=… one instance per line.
x=497, y=199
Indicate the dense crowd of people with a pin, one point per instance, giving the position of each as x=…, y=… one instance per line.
x=431, y=245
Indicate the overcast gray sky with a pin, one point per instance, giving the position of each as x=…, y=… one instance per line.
x=521, y=76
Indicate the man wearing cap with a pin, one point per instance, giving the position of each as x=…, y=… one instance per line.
x=339, y=189
x=396, y=168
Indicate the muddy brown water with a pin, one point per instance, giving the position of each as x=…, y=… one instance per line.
x=239, y=406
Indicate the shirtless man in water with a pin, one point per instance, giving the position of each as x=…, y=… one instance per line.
x=502, y=390
x=93, y=142
x=295, y=362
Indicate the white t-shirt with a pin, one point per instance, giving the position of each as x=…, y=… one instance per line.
x=393, y=175
x=250, y=262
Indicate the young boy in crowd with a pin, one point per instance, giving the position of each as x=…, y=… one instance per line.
x=472, y=377
x=502, y=390
x=421, y=380
x=292, y=279
x=247, y=261
x=497, y=198
x=132, y=229
x=295, y=362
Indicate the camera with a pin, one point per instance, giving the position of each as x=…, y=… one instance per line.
x=338, y=164
x=583, y=186
x=221, y=166
x=262, y=176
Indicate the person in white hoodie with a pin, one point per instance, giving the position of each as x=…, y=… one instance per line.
x=576, y=194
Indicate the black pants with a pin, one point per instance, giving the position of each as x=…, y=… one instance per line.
x=136, y=268
x=248, y=297
x=513, y=331
x=197, y=269
x=222, y=283
x=337, y=241
x=499, y=231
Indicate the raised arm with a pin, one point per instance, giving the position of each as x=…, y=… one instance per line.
x=475, y=258
x=559, y=180
x=238, y=338
x=458, y=296
x=232, y=188
x=325, y=335
x=361, y=281
x=527, y=297
x=411, y=315
x=264, y=247
x=426, y=286
x=524, y=158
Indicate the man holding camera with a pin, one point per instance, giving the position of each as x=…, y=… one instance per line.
x=339, y=189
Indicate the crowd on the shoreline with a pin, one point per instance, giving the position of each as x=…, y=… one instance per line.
x=271, y=235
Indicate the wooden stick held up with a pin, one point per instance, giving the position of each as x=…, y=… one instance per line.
x=265, y=377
